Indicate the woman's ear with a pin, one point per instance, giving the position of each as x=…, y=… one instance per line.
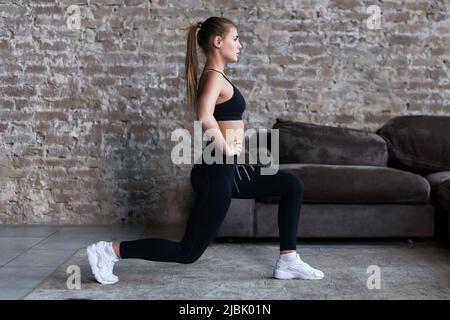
x=217, y=42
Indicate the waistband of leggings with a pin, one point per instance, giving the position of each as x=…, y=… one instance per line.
x=220, y=159
x=223, y=158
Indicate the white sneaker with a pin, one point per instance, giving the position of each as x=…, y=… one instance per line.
x=102, y=263
x=296, y=269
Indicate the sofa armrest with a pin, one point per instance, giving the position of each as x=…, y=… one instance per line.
x=440, y=198
x=444, y=195
x=436, y=179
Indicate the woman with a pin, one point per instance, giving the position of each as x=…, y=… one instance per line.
x=219, y=109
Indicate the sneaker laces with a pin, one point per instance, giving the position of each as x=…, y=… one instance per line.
x=106, y=263
x=299, y=262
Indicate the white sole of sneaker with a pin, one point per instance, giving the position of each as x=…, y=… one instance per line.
x=282, y=275
x=92, y=257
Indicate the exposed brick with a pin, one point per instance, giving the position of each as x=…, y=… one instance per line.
x=67, y=71
x=103, y=81
x=47, y=116
x=345, y=118
x=309, y=50
x=344, y=4
x=63, y=197
x=8, y=80
x=437, y=74
x=62, y=140
x=422, y=85
x=130, y=92
x=31, y=151
x=11, y=67
x=3, y=127
x=18, y=91
x=402, y=40
x=36, y=69
x=377, y=118
x=4, y=44
x=6, y=104
x=438, y=107
x=15, y=116
x=58, y=152
x=87, y=114
x=437, y=51
x=87, y=151
x=59, y=162
x=282, y=84
x=444, y=86
x=48, y=10
x=69, y=103
x=121, y=70
x=134, y=2
x=11, y=10
x=92, y=69
x=55, y=46
x=282, y=60
x=110, y=2
x=416, y=6
x=86, y=209
x=397, y=17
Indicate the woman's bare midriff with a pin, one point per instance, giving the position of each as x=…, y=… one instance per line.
x=232, y=130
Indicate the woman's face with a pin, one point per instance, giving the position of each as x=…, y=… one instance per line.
x=231, y=46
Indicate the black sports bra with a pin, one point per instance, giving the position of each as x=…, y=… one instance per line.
x=233, y=108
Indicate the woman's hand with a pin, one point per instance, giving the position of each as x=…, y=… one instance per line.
x=234, y=149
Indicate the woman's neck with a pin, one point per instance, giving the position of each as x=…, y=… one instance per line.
x=217, y=65
x=215, y=68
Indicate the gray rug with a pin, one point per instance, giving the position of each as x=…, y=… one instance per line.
x=244, y=271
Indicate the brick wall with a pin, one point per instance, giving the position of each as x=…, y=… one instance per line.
x=86, y=114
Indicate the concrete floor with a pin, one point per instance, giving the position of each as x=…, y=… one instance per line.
x=30, y=255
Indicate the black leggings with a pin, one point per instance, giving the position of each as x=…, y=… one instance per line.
x=215, y=185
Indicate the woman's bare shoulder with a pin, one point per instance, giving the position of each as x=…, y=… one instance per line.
x=210, y=87
x=210, y=79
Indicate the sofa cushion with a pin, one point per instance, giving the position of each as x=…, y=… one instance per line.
x=437, y=178
x=357, y=184
x=444, y=197
x=418, y=143
x=440, y=199
x=351, y=220
x=311, y=143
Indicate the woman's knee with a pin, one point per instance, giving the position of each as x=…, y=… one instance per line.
x=191, y=256
x=189, y=259
x=293, y=184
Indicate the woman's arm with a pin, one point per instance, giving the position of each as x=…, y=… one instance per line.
x=205, y=112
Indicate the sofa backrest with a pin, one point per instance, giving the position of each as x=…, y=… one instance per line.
x=311, y=143
x=418, y=143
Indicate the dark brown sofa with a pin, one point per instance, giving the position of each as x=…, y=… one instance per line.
x=391, y=183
